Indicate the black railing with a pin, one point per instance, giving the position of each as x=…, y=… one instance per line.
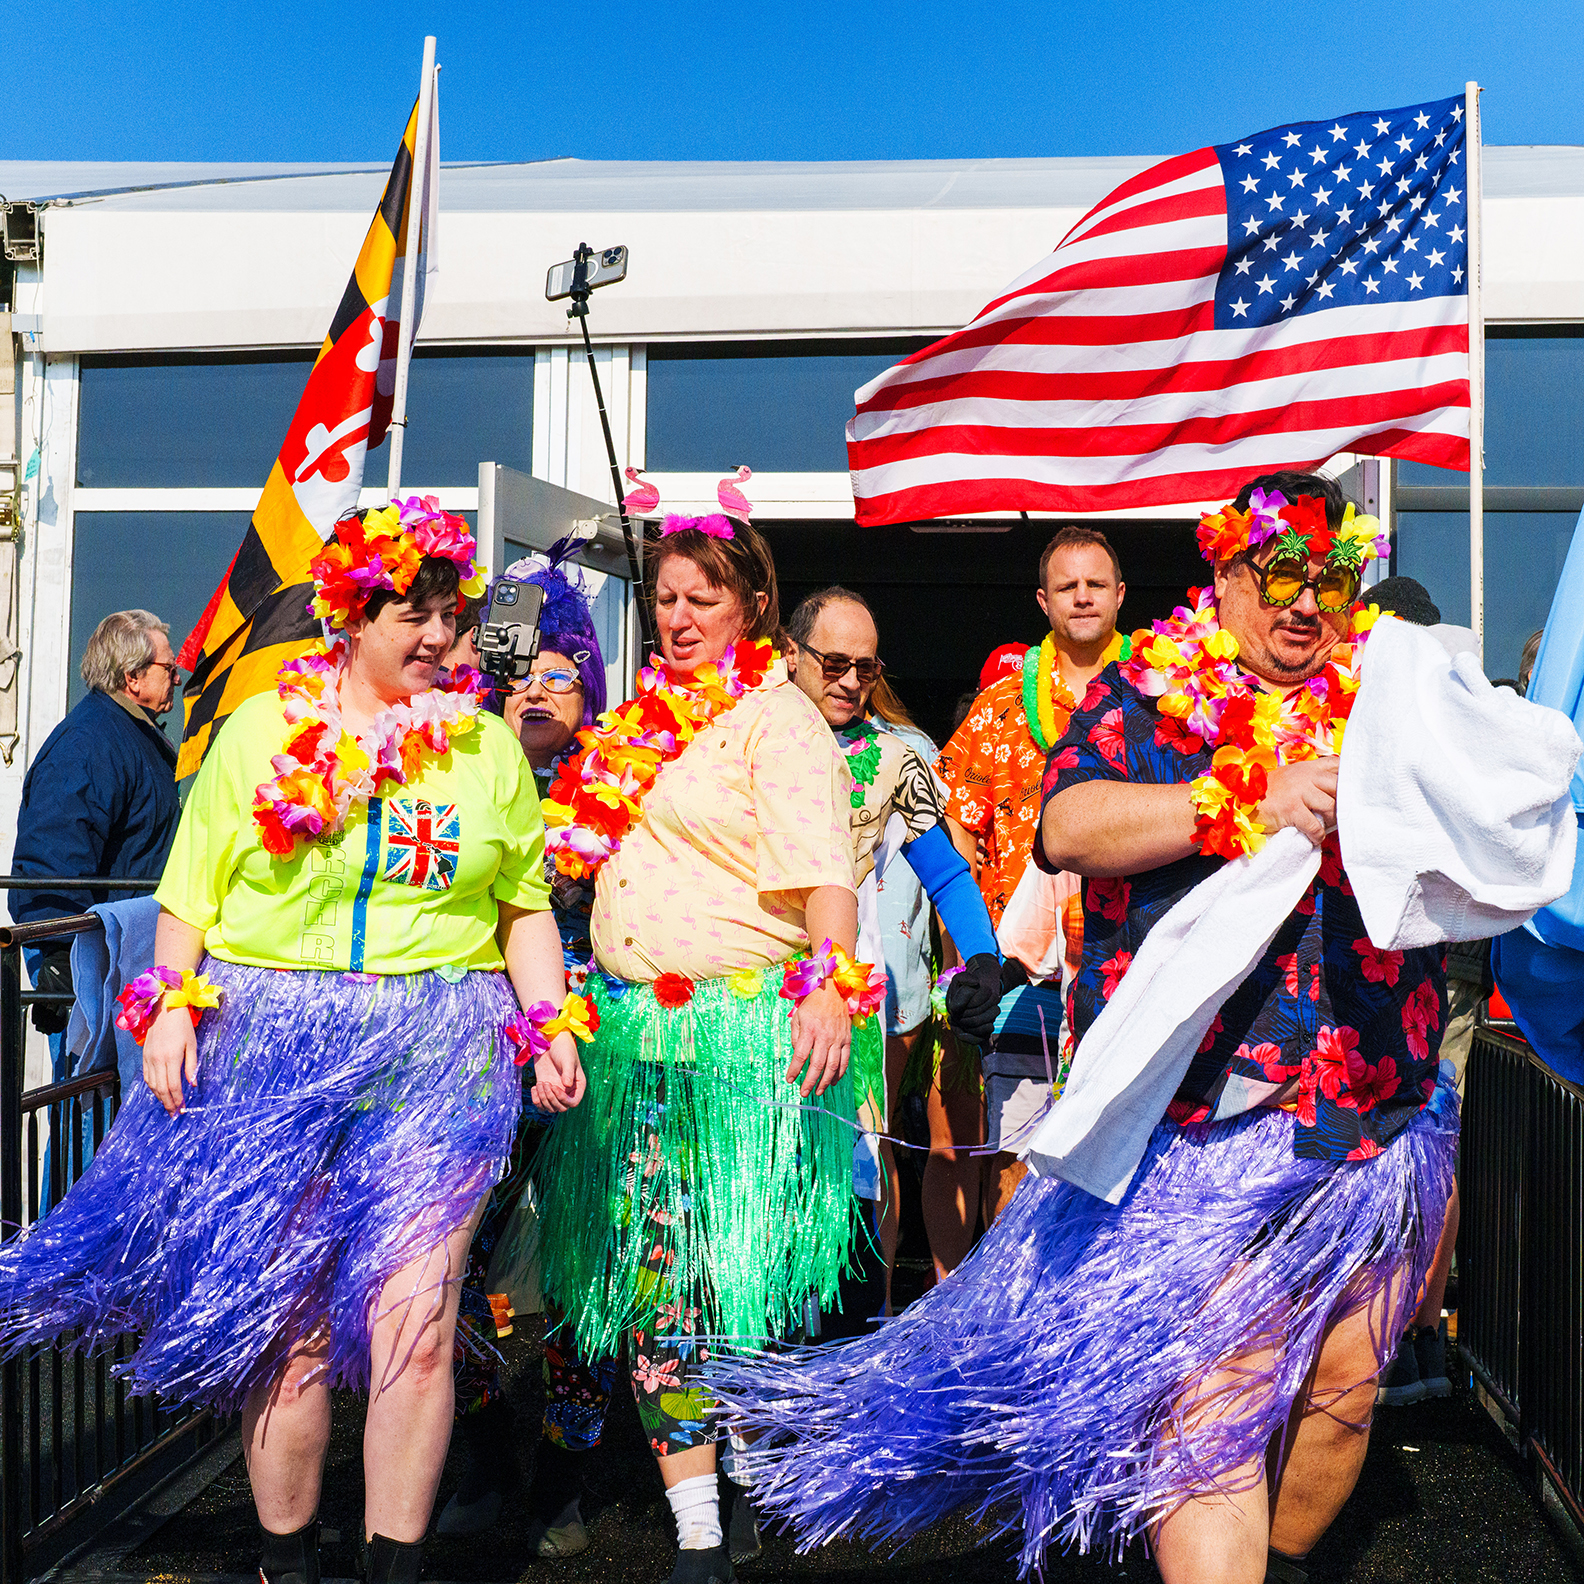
x=1521, y=1254
x=72, y=1439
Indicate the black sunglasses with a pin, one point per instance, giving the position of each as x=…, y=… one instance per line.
x=1282, y=584
x=835, y=666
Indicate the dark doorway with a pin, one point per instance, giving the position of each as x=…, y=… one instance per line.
x=943, y=601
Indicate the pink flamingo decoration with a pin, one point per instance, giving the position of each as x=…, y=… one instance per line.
x=732, y=500
x=643, y=501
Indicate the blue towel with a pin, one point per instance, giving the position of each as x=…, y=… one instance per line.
x=103, y=963
x=1540, y=968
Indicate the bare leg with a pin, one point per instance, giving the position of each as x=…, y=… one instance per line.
x=951, y=1175
x=285, y=1434
x=1333, y=1433
x=410, y=1413
x=1006, y=1172
x=1429, y=1314
x=1222, y=1536
x=898, y=1052
x=687, y=1464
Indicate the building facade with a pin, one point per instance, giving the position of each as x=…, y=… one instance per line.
x=163, y=331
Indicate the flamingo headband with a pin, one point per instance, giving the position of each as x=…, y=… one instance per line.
x=645, y=501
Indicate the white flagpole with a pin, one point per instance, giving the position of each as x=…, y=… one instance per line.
x=1476, y=313
x=417, y=205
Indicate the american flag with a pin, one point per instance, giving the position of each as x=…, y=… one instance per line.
x=1249, y=306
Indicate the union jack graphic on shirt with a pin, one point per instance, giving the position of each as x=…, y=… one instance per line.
x=422, y=841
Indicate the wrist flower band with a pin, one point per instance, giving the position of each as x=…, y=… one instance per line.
x=142, y=999
x=939, y=989
x=530, y=1031
x=862, y=985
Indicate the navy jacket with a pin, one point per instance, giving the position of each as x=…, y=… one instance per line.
x=99, y=799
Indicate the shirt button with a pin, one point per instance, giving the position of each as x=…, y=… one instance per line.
x=621, y=882
x=628, y=941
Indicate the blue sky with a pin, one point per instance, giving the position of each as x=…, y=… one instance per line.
x=810, y=80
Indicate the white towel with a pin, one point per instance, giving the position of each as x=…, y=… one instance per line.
x=1452, y=802
x=1136, y=1052
x=1456, y=822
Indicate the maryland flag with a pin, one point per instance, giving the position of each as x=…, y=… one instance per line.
x=258, y=617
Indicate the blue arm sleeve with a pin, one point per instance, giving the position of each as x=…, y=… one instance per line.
x=945, y=875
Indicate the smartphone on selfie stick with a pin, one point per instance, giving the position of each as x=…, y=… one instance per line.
x=508, y=637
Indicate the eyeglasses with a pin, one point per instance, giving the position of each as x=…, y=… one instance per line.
x=552, y=681
x=166, y=665
x=1283, y=582
x=835, y=666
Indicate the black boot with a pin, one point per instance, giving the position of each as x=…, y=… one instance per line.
x=555, y=1527
x=490, y=1475
x=387, y=1561
x=742, y=1523
x=290, y=1558
x=1283, y=1569
x=713, y=1566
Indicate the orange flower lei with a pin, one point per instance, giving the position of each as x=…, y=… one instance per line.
x=597, y=796
x=1189, y=665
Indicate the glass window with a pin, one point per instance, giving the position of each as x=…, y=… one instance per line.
x=1534, y=412
x=177, y=420
x=1524, y=552
x=165, y=562
x=781, y=407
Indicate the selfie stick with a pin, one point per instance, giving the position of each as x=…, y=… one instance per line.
x=579, y=311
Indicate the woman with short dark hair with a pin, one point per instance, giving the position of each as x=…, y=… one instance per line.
x=356, y=890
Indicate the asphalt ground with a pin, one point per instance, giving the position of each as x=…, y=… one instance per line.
x=1442, y=1498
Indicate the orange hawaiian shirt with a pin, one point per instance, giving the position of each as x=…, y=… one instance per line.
x=992, y=773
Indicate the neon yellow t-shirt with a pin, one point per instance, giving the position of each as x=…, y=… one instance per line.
x=409, y=884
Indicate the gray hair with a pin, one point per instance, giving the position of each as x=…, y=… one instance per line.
x=120, y=646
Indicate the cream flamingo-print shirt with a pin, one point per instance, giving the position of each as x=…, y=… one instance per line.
x=736, y=831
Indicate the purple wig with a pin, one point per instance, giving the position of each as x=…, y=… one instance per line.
x=566, y=624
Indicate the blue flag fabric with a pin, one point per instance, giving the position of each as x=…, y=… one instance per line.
x=1540, y=968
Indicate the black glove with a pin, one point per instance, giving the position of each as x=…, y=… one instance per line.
x=54, y=977
x=973, y=998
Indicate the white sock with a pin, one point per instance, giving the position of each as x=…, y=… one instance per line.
x=695, y=1503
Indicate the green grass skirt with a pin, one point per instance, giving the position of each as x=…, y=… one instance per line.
x=691, y=1136
x=866, y=1064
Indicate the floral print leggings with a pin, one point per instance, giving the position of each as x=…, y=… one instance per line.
x=664, y=1360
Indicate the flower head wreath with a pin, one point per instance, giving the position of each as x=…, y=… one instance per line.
x=383, y=549
x=1298, y=527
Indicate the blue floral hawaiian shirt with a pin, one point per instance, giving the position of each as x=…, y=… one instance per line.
x=1344, y=1034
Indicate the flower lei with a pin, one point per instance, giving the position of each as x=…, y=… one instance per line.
x=320, y=773
x=862, y=985
x=530, y=1031
x=141, y=1000
x=861, y=743
x=383, y=550
x=1044, y=687
x=597, y=795
x=1188, y=664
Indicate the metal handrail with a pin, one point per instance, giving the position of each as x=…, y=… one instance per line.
x=74, y=883
x=46, y=929
x=73, y=1441
x=1520, y=1257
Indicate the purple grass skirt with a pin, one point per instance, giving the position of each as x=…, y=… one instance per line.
x=340, y=1129
x=1042, y=1384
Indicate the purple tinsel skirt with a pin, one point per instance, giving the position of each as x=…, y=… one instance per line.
x=1044, y=1383
x=340, y=1129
